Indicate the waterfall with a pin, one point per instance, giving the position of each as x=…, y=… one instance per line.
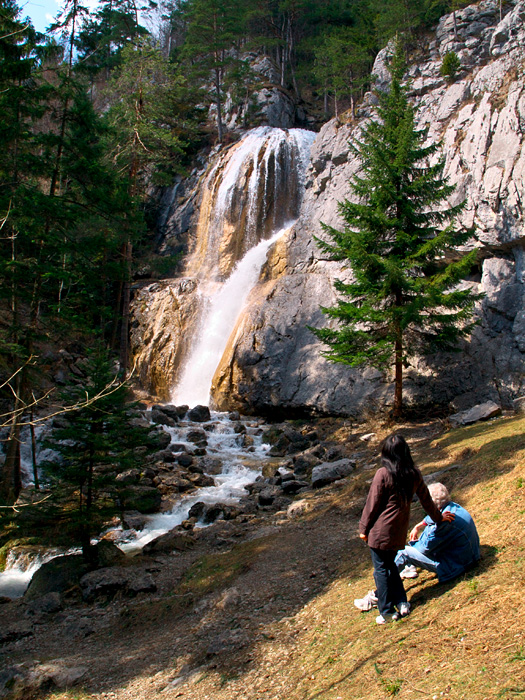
x=251, y=197
x=217, y=324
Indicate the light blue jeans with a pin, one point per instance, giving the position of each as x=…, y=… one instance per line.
x=412, y=556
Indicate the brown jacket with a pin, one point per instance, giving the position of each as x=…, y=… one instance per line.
x=385, y=517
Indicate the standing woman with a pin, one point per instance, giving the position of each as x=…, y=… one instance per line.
x=384, y=522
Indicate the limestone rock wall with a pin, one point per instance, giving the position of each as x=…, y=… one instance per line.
x=274, y=361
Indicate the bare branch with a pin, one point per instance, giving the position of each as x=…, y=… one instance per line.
x=16, y=507
x=109, y=389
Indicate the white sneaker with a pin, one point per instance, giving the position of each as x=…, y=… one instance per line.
x=388, y=617
x=367, y=603
x=409, y=571
x=404, y=609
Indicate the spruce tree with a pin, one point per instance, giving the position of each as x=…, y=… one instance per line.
x=91, y=446
x=400, y=242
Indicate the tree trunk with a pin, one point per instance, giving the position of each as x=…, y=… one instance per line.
x=126, y=299
x=33, y=451
x=398, y=381
x=218, y=102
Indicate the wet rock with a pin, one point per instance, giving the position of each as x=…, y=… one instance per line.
x=145, y=499
x=134, y=520
x=162, y=418
x=234, y=416
x=328, y=472
x=177, y=539
x=173, y=412
x=185, y=460
x=199, y=414
x=211, y=465
x=105, y=583
x=245, y=441
x=239, y=428
x=482, y=411
x=181, y=411
x=201, y=480
x=58, y=575
x=197, y=436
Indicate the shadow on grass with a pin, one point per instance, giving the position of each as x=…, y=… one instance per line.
x=437, y=590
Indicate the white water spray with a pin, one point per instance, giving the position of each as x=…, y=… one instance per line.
x=217, y=324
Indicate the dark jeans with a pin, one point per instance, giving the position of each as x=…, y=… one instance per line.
x=390, y=591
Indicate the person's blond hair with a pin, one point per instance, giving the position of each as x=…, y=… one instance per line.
x=440, y=494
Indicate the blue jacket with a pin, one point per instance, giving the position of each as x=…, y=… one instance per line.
x=453, y=546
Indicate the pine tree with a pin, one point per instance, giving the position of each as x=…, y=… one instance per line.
x=92, y=446
x=401, y=244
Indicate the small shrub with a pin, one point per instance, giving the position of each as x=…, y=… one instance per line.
x=450, y=66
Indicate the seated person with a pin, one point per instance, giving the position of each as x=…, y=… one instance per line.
x=448, y=550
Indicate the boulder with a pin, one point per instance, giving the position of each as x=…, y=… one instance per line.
x=145, y=499
x=199, y=414
x=134, y=520
x=292, y=486
x=328, y=472
x=106, y=582
x=173, y=412
x=158, y=416
x=482, y=411
x=298, y=508
x=197, y=436
x=108, y=554
x=177, y=539
x=129, y=476
x=58, y=575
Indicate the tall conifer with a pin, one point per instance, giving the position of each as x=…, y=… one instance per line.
x=400, y=242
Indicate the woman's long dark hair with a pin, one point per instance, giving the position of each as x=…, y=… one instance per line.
x=396, y=458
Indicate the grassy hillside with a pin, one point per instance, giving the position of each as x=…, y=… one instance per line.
x=273, y=617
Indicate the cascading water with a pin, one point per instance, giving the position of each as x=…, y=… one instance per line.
x=217, y=324
x=251, y=197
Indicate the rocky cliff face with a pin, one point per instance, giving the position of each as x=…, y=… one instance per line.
x=273, y=361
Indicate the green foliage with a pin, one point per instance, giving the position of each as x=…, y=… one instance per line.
x=151, y=116
x=343, y=63
x=450, y=66
x=92, y=446
x=400, y=243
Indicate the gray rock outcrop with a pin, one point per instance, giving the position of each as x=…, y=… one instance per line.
x=276, y=362
x=273, y=362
